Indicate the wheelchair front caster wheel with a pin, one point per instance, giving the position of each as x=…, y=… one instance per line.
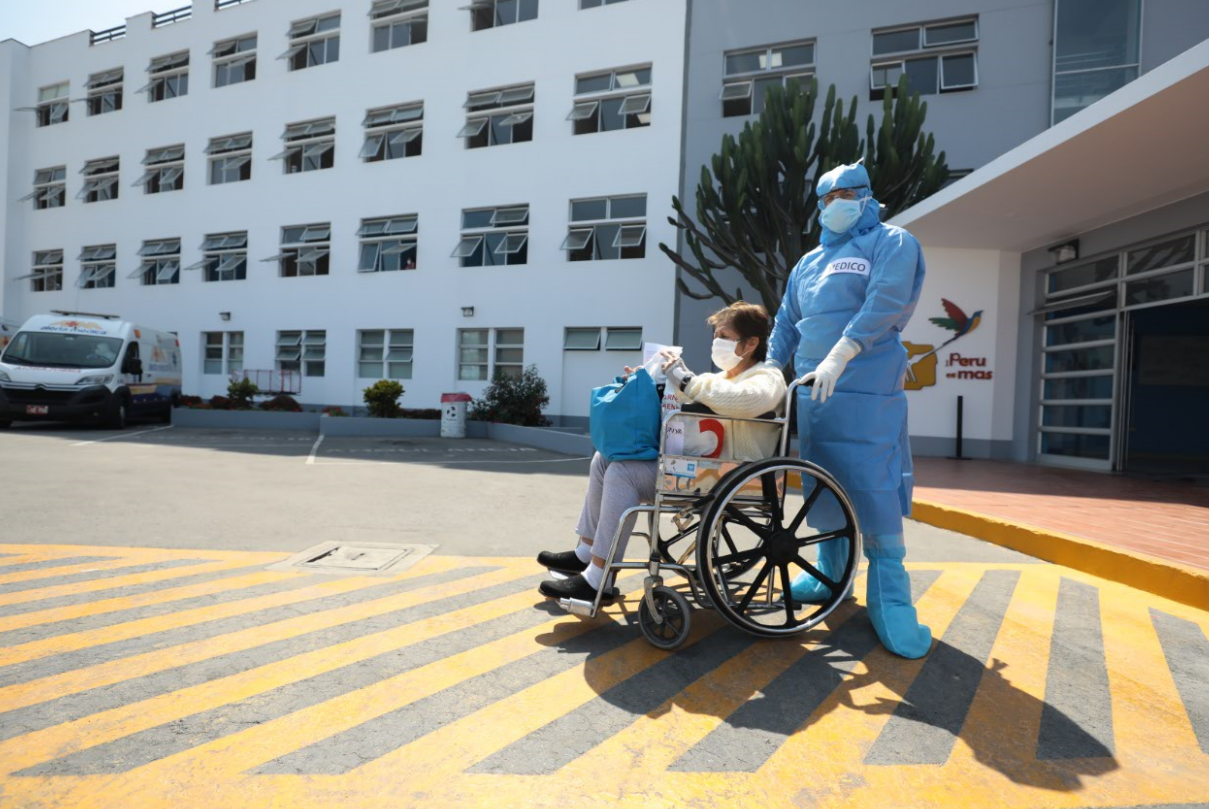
x=674, y=627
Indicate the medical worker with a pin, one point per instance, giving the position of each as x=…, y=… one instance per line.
x=840, y=321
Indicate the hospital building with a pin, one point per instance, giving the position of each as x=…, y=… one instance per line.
x=437, y=191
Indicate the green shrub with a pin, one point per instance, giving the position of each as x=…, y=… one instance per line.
x=240, y=393
x=382, y=398
x=514, y=400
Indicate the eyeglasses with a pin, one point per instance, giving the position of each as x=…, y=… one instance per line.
x=839, y=193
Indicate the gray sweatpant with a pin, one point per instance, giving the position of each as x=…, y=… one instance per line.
x=613, y=487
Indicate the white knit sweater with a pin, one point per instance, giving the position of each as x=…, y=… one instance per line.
x=751, y=394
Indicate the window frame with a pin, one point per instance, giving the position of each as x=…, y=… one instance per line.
x=100, y=180
x=307, y=338
x=161, y=265
x=391, y=14
x=292, y=258
x=493, y=110
x=746, y=80
x=46, y=271
x=478, y=14
x=104, y=91
x=169, y=77
x=53, y=109
x=226, y=148
x=309, y=146
x=49, y=191
x=404, y=239
x=939, y=52
x=402, y=340
x=165, y=170
x=98, y=267
x=400, y=121
x=585, y=331
x=587, y=234
x=230, y=352
x=238, y=57
x=303, y=45
x=493, y=239
x=586, y=115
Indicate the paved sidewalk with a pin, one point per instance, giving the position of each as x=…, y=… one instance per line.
x=1166, y=520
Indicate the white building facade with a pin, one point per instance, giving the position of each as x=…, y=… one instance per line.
x=355, y=190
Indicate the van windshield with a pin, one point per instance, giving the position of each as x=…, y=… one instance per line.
x=51, y=350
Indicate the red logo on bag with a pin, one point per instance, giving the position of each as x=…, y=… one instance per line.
x=713, y=426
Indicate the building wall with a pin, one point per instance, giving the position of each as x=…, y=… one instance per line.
x=1170, y=27
x=543, y=297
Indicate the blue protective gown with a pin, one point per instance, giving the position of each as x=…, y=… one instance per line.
x=860, y=433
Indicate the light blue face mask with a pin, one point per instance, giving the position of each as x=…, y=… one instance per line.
x=842, y=214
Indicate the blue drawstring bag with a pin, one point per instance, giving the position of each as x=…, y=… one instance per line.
x=624, y=418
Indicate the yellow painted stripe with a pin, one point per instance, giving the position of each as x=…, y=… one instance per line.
x=66, y=570
x=118, y=722
x=145, y=554
x=1169, y=579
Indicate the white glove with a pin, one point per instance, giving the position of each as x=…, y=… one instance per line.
x=829, y=370
x=676, y=372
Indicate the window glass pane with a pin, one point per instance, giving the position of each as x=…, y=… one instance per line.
x=896, y=41
x=376, y=338
x=744, y=62
x=762, y=86
x=369, y=370
x=922, y=75
x=474, y=337
x=626, y=207
x=582, y=339
x=589, y=209
x=1103, y=270
x=1167, y=254
x=1096, y=33
x=1078, y=446
x=958, y=70
x=887, y=75
x=627, y=339
x=1081, y=331
x=1076, y=91
x=1164, y=287
x=792, y=56
x=474, y=355
x=513, y=355
x=593, y=84
x=1080, y=359
x=513, y=337
x=611, y=118
x=1095, y=416
x=950, y=32
x=477, y=219
x=1090, y=387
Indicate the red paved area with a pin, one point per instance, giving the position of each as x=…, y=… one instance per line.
x=1165, y=519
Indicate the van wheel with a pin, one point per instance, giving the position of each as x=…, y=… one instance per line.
x=4, y=425
x=118, y=413
x=166, y=416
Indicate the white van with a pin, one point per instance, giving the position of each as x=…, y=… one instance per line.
x=77, y=366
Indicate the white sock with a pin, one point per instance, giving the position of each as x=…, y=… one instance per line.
x=594, y=576
x=583, y=551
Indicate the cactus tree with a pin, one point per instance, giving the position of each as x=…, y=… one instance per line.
x=756, y=203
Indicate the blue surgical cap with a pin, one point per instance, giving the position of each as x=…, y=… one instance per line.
x=853, y=176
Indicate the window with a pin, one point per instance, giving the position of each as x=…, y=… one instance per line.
x=224, y=257
x=161, y=262
x=52, y=104
x=750, y=72
x=613, y=99
x=98, y=267
x=305, y=250
x=310, y=146
x=623, y=339
x=100, y=180
x=597, y=3
x=50, y=188
x=222, y=352
x=230, y=158
x=104, y=92
x=579, y=339
x=385, y=353
x=495, y=117
x=398, y=23
x=936, y=57
x=47, y=275
x=475, y=350
x=607, y=228
x=388, y=244
x=1096, y=51
x=392, y=132
x=169, y=77
x=494, y=13
x=302, y=351
x=165, y=170
x=313, y=41
x=492, y=236
x=234, y=60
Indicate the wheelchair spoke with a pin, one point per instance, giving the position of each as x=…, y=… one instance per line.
x=787, y=594
x=755, y=585
x=738, y=516
x=824, y=537
x=818, y=574
x=730, y=543
x=769, y=483
x=811, y=499
x=739, y=556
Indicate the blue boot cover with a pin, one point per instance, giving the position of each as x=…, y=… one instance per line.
x=889, y=598
x=832, y=556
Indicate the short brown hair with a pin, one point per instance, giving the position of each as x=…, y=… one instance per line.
x=749, y=320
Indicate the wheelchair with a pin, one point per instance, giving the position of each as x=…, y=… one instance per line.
x=740, y=536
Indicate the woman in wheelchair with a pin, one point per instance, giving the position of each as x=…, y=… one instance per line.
x=745, y=388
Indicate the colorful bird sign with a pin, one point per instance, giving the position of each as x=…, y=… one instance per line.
x=956, y=320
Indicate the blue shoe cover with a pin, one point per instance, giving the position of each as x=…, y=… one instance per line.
x=889, y=601
x=807, y=589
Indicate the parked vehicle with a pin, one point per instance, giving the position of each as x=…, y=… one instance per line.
x=78, y=366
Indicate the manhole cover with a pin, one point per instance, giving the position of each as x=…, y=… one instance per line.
x=355, y=558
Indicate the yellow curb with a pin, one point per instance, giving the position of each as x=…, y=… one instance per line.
x=1187, y=585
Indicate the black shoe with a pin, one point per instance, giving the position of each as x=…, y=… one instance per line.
x=576, y=587
x=565, y=562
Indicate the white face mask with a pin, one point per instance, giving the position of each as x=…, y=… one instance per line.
x=723, y=354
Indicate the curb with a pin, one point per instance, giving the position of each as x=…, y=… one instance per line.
x=1187, y=585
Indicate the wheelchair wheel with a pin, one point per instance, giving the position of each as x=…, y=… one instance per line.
x=676, y=618
x=754, y=540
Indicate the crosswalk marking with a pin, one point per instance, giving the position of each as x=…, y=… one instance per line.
x=206, y=681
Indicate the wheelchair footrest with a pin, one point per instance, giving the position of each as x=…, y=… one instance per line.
x=577, y=607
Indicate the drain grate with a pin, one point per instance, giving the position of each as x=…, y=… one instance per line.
x=355, y=558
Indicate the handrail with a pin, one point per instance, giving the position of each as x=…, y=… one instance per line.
x=169, y=17
x=108, y=35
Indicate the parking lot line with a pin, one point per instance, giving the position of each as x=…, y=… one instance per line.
x=121, y=435
x=310, y=459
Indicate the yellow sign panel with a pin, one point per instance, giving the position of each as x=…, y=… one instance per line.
x=921, y=374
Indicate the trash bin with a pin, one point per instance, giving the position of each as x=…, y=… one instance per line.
x=453, y=414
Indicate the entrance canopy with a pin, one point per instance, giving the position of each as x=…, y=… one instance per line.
x=1139, y=148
